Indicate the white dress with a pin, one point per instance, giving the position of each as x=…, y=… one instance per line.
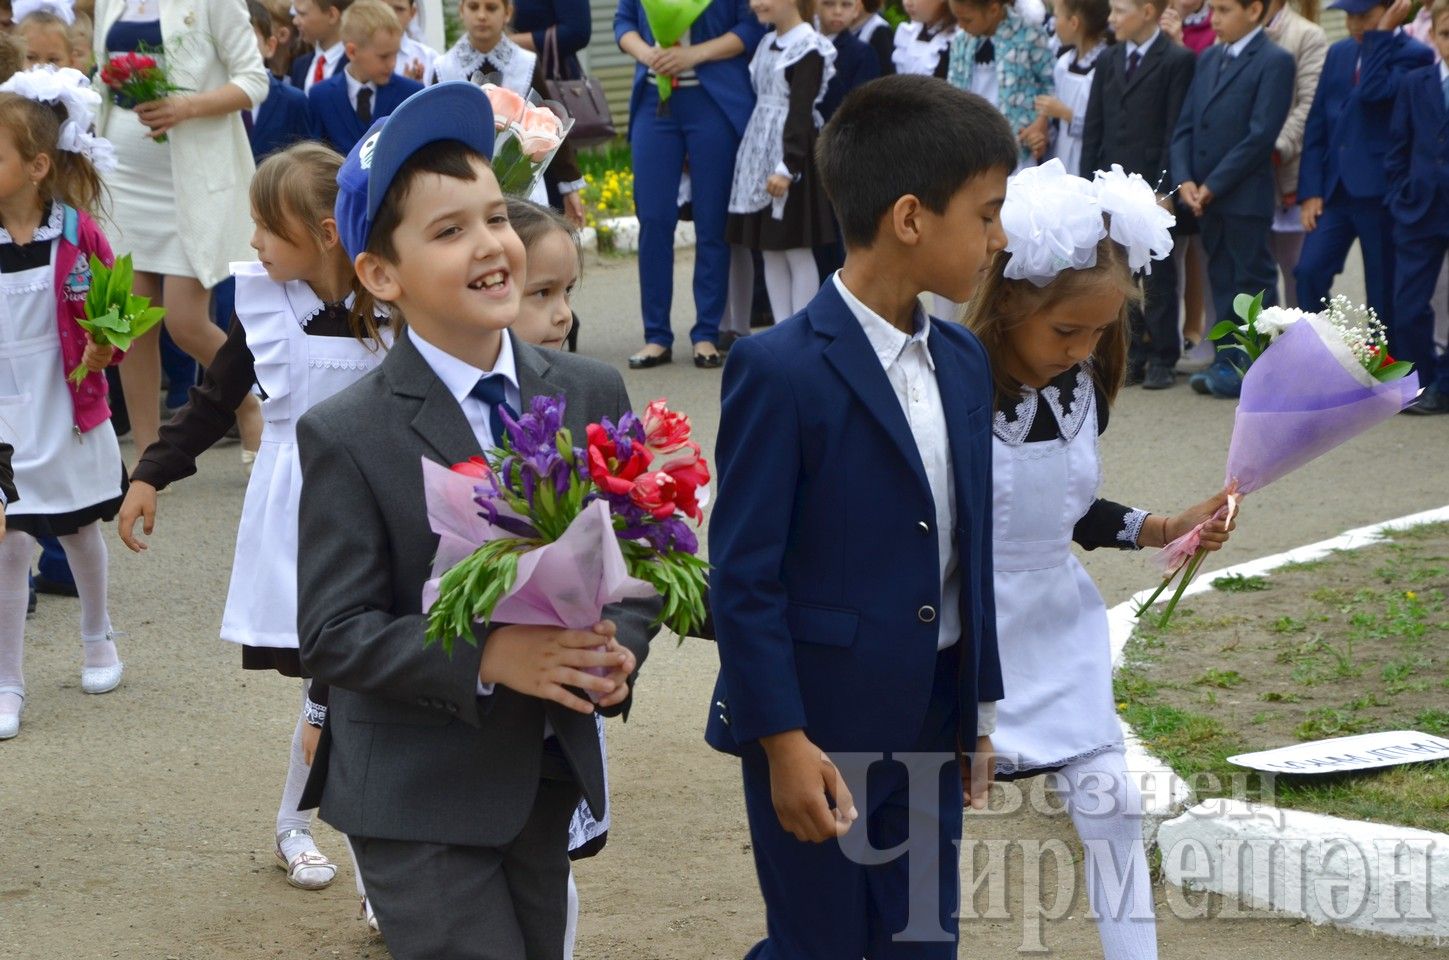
x=1051, y=622
x=58, y=471
x=297, y=372
x=919, y=50
x=1073, y=81
x=762, y=148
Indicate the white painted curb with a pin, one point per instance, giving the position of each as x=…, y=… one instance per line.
x=625, y=232
x=1315, y=855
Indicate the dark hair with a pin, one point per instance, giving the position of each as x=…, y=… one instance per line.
x=1092, y=13
x=261, y=18
x=12, y=55
x=870, y=6
x=532, y=222
x=1245, y=4
x=1000, y=304
x=907, y=135
x=339, y=5
x=35, y=127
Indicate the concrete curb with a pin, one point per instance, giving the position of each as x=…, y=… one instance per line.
x=625, y=231
x=1363, y=877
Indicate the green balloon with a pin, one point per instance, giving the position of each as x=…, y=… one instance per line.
x=670, y=20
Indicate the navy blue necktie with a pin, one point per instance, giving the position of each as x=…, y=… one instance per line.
x=490, y=390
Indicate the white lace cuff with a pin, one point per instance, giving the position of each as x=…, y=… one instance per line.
x=314, y=713
x=1132, y=528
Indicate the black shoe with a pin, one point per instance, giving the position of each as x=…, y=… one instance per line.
x=54, y=588
x=709, y=361
x=1430, y=402
x=1136, y=373
x=727, y=340
x=643, y=361
x=1158, y=377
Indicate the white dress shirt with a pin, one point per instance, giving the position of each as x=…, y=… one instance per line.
x=912, y=374
x=354, y=85
x=330, y=56
x=1143, y=47
x=1235, y=49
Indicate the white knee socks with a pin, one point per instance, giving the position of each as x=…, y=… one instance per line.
x=791, y=279
x=288, y=816
x=16, y=552
x=85, y=551
x=1107, y=810
x=741, y=300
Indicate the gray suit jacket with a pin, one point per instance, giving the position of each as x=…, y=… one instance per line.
x=409, y=751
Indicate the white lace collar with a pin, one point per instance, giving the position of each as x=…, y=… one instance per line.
x=47, y=231
x=1080, y=392
x=514, y=64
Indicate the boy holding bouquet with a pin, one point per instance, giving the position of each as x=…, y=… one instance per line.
x=454, y=774
x=856, y=435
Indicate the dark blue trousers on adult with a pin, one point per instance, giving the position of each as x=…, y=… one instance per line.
x=693, y=127
x=1238, y=259
x=1325, y=251
x=1420, y=251
x=854, y=910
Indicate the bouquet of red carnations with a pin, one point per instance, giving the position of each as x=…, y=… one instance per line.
x=136, y=78
x=542, y=532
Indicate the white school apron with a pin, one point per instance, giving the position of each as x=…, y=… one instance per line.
x=1051, y=623
x=296, y=372
x=58, y=470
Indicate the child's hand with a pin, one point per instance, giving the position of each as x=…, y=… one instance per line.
x=623, y=672
x=2, y=521
x=1215, y=533
x=1049, y=106
x=1034, y=137
x=1188, y=191
x=1204, y=197
x=140, y=504
x=310, y=737
x=803, y=781
x=1395, y=15
x=1171, y=24
x=414, y=71
x=573, y=208
x=778, y=185
x=542, y=661
x=1309, y=211
x=98, y=356
x=978, y=773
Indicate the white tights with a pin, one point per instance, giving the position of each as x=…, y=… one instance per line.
x=1106, y=808
x=85, y=550
x=791, y=280
x=288, y=816
x=741, y=299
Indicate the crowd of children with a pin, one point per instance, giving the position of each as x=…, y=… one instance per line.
x=884, y=153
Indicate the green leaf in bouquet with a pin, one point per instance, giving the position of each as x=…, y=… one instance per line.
x=1393, y=371
x=122, y=276
x=1223, y=329
x=100, y=280
x=143, y=315
x=105, y=326
x=1248, y=307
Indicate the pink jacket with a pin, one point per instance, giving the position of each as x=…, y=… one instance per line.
x=79, y=238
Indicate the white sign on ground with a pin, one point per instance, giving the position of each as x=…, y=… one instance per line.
x=1339, y=754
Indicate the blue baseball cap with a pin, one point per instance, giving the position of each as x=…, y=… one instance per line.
x=1356, y=6
x=455, y=110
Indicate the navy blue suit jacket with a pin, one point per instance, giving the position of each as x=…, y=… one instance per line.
x=1418, y=160
x=855, y=64
x=335, y=122
x=1347, y=134
x=726, y=81
x=303, y=66
x=823, y=542
x=1230, y=123
x=280, y=121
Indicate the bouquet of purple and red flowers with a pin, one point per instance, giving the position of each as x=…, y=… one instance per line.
x=539, y=531
x=137, y=78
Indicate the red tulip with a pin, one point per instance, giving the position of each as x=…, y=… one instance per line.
x=688, y=478
x=655, y=492
x=604, y=467
x=475, y=467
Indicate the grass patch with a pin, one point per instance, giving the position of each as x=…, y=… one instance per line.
x=1355, y=642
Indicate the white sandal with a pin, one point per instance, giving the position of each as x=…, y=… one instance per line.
x=10, y=725
x=308, y=870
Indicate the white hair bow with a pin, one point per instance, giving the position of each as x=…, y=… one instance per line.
x=72, y=91
x=1054, y=221
x=62, y=9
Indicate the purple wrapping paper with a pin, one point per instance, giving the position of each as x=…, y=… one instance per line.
x=566, y=583
x=1304, y=396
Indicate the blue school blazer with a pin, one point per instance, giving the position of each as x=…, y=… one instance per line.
x=1230, y=123
x=824, y=581
x=855, y=64
x=280, y=121
x=1347, y=134
x=333, y=119
x=1418, y=160
x=726, y=81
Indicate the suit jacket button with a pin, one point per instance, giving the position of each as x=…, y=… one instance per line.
x=926, y=614
x=925, y=527
x=452, y=708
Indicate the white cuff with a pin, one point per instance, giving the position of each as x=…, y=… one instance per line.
x=986, y=718
x=572, y=186
x=485, y=689
x=783, y=171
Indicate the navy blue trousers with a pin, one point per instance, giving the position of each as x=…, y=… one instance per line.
x=1420, y=257
x=1239, y=260
x=692, y=128
x=820, y=903
x=1325, y=251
